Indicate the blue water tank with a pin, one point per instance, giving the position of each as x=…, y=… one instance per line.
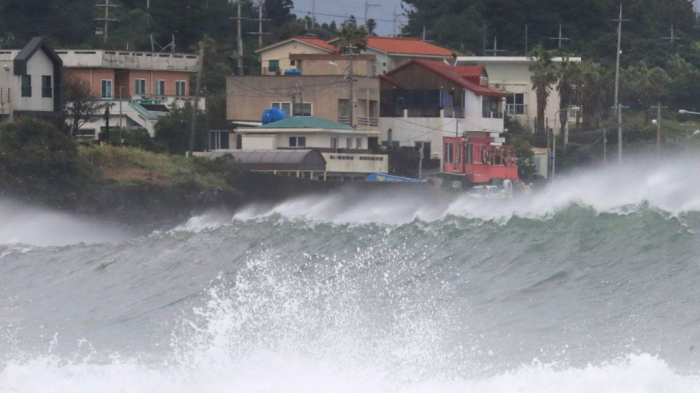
x=272, y=115
x=292, y=71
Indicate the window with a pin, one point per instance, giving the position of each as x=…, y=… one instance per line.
x=302, y=109
x=285, y=106
x=180, y=88
x=297, y=141
x=449, y=152
x=46, y=88
x=348, y=143
x=160, y=87
x=515, y=103
x=358, y=143
x=26, y=85
x=334, y=142
x=426, y=149
x=106, y=88
x=293, y=63
x=139, y=86
x=273, y=65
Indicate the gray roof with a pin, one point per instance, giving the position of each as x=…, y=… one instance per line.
x=292, y=159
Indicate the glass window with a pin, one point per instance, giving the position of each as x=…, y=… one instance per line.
x=285, y=106
x=140, y=86
x=160, y=87
x=273, y=65
x=334, y=142
x=180, y=88
x=106, y=88
x=358, y=143
x=46, y=88
x=449, y=152
x=348, y=143
x=302, y=109
x=26, y=85
x=297, y=141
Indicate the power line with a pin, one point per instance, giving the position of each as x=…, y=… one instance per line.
x=369, y=5
x=339, y=16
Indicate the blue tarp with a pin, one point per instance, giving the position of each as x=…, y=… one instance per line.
x=384, y=178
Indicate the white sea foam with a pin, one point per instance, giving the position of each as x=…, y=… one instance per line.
x=23, y=224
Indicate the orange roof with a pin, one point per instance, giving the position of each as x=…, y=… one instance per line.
x=463, y=76
x=408, y=46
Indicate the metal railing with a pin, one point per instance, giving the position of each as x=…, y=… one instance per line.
x=453, y=112
x=516, y=109
x=492, y=115
x=344, y=120
x=367, y=121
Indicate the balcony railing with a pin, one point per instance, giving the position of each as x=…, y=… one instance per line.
x=516, y=109
x=453, y=112
x=344, y=120
x=367, y=121
x=492, y=115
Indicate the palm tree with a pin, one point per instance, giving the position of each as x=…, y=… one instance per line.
x=544, y=74
x=351, y=38
x=591, y=90
x=649, y=84
x=569, y=75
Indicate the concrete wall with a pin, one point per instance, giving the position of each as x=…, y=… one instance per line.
x=129, y=60
x=264, y=142
x=356, y=163
x=282, y=52
x=248, y=96
x=322, y=66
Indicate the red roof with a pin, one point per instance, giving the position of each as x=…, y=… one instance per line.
x=408, y=46
x=467, y=77
x=317, y=42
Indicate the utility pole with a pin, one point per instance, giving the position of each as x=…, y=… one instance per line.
x=193, y=130
x=560, y=38
x=526, y=48
x=396, y=17
x=148, y=4
x=239, y=53
x=673, y=36
x=549, y=146
x=368, y=5
x=554, y=154
x=618, y=110
x=313, y=12
x=495, y=49
x=106, y=19
x=483, y=53
x=260, y=20
x=352, y=91
x=658, y=129
x=605, y=146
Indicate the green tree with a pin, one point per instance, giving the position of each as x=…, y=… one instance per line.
x=352, y=39
x=173, y=131
x=371, y=26
x=591, y=88
x=544, y=74
x=569, y=76
x=647, y=84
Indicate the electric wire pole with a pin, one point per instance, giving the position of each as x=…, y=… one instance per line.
x=617, y=87
x=106, y=19
x=658, y=129
x=560, y=38
x=368, y=5
x=260, y=21
x=495, y=49
x=193, y=131
x=239, y=53
x=673, y=36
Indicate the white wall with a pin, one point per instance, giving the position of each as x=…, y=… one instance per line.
x=38, y=65
x=356, y=163
x=253, y=142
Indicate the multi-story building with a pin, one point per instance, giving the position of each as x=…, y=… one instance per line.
x=30, y=85
x=138, y=86
x=423, y=102
x=512, y=75
x=324, y=96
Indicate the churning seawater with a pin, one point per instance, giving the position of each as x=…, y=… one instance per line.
x=592, y=285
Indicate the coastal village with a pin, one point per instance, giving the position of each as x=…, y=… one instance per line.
x=346, y=104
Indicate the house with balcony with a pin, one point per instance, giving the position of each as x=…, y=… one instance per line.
x=323, y=96
x=139, y=87
x=346, y=150
x=511, y=75
x=423, y=102
x=30, y=85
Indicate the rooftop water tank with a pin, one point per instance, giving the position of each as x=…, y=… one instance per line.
x=272, y=115
x=292, y=71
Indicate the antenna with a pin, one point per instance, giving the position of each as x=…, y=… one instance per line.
x=495, y=49
x=106, y=19
x=560, y=38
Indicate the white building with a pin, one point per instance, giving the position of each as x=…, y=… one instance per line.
x=345, y=149
x=512, y=75
x=422, y=102
x=30, y=85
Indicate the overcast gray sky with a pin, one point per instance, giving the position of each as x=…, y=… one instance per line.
x=338, y=10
